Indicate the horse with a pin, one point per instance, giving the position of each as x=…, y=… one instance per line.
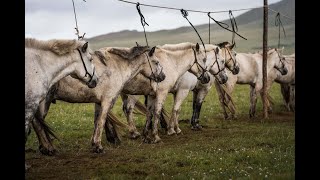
x=217, y=65
x=287, y=83
x=188, y=83
x=251, y=73
x=46, y=62
x=115, y=67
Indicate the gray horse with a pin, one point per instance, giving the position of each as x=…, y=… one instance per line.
x=115, y=67
x=46, y=62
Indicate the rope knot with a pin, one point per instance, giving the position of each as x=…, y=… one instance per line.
x=142, y=19
x=184, y=13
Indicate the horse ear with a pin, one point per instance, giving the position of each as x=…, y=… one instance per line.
x=217, y=50
x=152, y=51
x=231, y=47
x=84, y=47
x=197, y=47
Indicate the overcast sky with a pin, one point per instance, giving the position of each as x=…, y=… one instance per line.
x=47, y=19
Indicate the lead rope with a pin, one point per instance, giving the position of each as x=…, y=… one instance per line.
x=75, y=17
x=279, y=23
x=143, y=21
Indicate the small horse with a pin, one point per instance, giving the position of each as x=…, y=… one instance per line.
x=115, y=67
x=251, y=73
x=166, y=86
x=46, y=62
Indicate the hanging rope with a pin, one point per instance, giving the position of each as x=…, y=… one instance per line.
x=234, y=26
x=279, y=23
x=185, y=14
x=223, y=25
x=75, y=17
x=143, y=21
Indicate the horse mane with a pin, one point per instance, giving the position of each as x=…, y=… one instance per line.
x=129, y=54
x=57, y=46
x=223, y=44
x=210, y=47
x=180, y=46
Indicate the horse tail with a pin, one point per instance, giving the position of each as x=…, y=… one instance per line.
x=226, y=95
x=164, y=115
x=115, y=120
x=164, y=118
x=49, y=132
x=140, y=107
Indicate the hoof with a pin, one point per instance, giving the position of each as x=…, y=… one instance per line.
x=178, y=130
x=97, y=149
x=134, y=135
x=157, y=139
x=147, y=140
x=47, y=151
x=26, y=167
x=171, y=131
x=197, y=127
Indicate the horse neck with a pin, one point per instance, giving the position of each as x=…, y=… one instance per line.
x=58, y=67
x=183, y=60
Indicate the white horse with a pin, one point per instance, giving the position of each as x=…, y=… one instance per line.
x=115, y=67
x=189, y=83
x=46, y=62
x=251, y=73
x=216, y=67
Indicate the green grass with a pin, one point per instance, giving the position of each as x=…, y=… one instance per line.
x=238, y=149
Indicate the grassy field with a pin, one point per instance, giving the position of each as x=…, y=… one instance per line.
x=238, y=149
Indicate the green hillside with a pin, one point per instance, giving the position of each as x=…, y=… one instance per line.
x=249, y=25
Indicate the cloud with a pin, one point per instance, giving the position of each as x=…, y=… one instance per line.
x=55, y=19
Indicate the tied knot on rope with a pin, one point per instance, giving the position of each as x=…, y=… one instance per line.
x=279, y=23
x=234, y=26
x=142, y=19
x=184, y=13
x=75, y=18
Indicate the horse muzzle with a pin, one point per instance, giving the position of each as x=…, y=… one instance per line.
x=93, y=83
x=204, y=78
x=235, y=70
x=283, y=71
x=158, y=78
x=222, y=78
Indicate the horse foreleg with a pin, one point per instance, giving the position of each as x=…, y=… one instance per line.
x=100, y=123
x=128, y=107
x=149, y=116
x=174, y=120
x=158, y=103
x=199, y=98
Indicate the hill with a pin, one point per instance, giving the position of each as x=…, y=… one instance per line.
x=249, y=25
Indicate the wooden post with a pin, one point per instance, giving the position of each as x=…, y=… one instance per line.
x=264, y=64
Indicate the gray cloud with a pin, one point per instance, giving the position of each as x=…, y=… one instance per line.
x=55, y=19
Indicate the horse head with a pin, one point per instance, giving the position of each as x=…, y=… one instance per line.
x=230, y=56
x=275, y=57
x=199, y=68
x=154, y=71
x=85, y=70
x=217, y=67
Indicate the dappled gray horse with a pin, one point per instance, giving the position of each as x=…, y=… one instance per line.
x=251, y=73
x=46, y=62
x=115, y=67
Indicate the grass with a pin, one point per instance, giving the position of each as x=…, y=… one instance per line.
x=238, y=149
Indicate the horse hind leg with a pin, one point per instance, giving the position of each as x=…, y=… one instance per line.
x=253, y=102
x=128, y=107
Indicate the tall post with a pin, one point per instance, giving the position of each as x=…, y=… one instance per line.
x=264, y=64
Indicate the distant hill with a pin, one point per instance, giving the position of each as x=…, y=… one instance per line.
x=249, y=25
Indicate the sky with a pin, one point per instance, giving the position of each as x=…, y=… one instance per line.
x=54, y=19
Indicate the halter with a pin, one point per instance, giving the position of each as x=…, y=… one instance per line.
x=85, y=68
x=152, y=76
x=198, y=65
x=216, y=61
x=234, y=60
